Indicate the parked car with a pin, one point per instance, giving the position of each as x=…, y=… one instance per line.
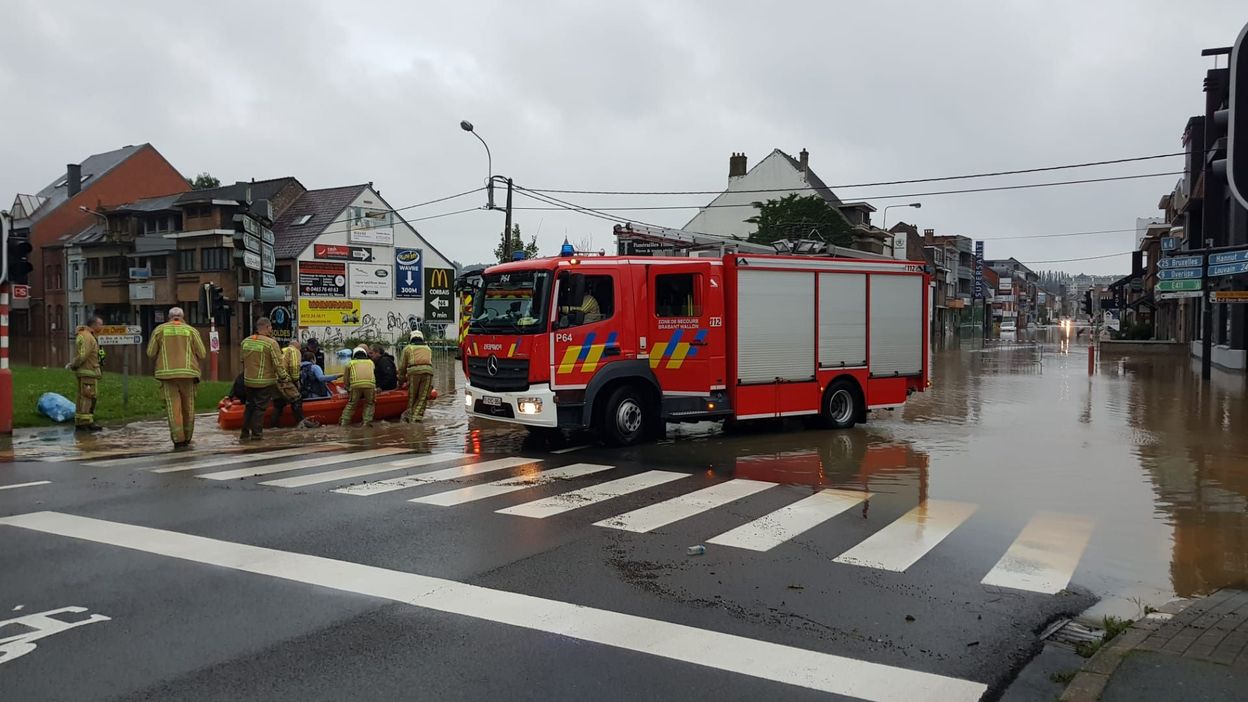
x=1008, y=328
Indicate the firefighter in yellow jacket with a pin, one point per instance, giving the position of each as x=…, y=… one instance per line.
x=262, y=369
x=177, y=349
x=361, y=381
x=86, y=367
x=416, y=372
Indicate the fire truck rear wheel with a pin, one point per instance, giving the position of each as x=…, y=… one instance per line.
x=841, y=404
x=624, y=418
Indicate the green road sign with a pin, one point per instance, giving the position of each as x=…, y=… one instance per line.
x=1176, y=285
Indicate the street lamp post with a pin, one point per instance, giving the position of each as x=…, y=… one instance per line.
x=884, y=224
x=489, y=185
x=884, y=221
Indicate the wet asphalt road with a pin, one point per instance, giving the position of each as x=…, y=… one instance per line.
x=297, y=591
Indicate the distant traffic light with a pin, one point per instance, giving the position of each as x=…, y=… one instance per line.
x=212, y=301
x=17, y=259
x=1087, y=302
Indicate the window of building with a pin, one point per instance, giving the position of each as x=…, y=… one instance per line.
x=678, y=295
x=93, y=267
x=114, y=265
x=75, y=276
x=186, y=260
x=75, y=316
x=283, y=274
x=217, y=259
x=303, y=219
x=595, y=305
x=159, y=265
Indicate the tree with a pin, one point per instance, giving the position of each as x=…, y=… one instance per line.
x=800, y=217
x=204, y=181
x=517, y=244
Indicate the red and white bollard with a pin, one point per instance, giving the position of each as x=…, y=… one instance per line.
x=1091, y=359
x=6, y=375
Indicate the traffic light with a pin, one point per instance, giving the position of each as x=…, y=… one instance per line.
x=212, y=301
x=1087, y=302
x=1236, y=119
x=17, y=260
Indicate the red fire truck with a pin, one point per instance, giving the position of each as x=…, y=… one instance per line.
x=623, y=345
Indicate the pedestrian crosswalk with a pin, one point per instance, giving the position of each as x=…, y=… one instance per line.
x=1042, y=558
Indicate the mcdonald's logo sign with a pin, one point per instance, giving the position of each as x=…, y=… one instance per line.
x=439, y=279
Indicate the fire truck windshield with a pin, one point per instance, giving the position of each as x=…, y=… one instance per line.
x=512, y=303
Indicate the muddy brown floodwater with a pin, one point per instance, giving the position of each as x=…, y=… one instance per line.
x=1156, y=460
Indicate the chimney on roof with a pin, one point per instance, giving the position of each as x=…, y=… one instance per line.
x=929, y=237
x=804, y=158
x=736, y=165
x=73, y=179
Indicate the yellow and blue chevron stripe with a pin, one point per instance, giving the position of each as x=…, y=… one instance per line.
x=674, y=351
x=587, y=355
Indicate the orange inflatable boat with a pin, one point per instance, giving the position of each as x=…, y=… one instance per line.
x=390, y=405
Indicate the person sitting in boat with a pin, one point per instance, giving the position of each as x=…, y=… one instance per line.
x=313, y=382
x=387, y=373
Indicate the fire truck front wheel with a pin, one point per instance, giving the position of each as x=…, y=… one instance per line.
x=841, y=404
x=624, y=417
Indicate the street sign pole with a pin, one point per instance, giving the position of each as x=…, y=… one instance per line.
x=6, y=375
x=1206, y=317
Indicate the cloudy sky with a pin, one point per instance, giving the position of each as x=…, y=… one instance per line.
x=649, y=96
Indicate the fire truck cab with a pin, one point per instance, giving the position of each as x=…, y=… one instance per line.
x=623, y=345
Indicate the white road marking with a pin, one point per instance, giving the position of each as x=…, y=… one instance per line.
x=571, y=449
x=248, y=457
x=299, y=481
x=269, y=468
x=40, y=625
x=407, y=481
x=473, y=493
x=711, y=649
x=900, y=544
x=653, y=516
x=22, y=485
x=568, y=501
x=1044, y=556
x=771, y=530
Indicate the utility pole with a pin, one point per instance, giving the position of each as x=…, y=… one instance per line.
x=507, y=239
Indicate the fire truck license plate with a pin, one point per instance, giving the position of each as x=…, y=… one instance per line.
x=491, y=401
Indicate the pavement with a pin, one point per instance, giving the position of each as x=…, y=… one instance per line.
x=368, y=569
x=1197, y=651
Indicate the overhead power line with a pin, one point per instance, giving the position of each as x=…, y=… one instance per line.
x=931, y=193
x=1071, y=260
x=846, y=186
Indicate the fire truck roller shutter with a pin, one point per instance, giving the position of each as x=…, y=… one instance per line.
x=842, y=320
x=775, y=328
x=896, y=325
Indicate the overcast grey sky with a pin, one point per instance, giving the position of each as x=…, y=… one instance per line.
x=627, y=96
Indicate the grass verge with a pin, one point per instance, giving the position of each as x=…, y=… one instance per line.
x=145, y=399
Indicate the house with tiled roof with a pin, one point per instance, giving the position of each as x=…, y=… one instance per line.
x=358, y=269
x=777, y=176
x=67, y=206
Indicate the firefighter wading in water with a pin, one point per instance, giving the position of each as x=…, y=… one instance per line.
x=416, y=372
x=361, y=380
x=177, y=349
x=262, y=368
x=86, y=366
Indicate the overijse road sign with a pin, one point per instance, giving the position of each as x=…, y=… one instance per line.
x=1180, y=262
x=1179, y=274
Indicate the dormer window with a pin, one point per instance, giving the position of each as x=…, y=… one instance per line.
x=304, y=219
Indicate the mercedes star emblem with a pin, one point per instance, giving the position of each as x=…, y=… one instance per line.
x=491, y=365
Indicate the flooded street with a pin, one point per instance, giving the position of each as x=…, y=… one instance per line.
x=1153, y=462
